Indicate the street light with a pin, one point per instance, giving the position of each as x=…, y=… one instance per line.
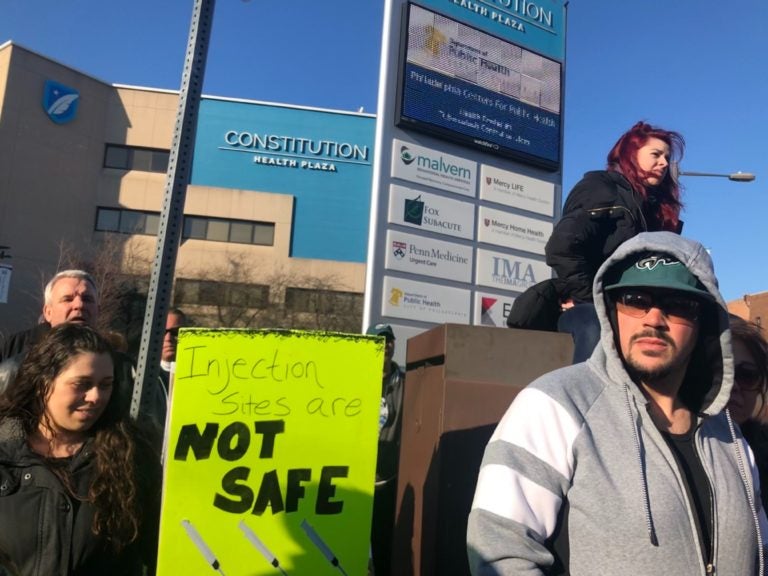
x=734, y=176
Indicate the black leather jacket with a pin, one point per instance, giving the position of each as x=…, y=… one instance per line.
x=601, y=212
x=21, y=341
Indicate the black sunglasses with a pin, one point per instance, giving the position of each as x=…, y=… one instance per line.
x=677, y=308
x=173, y=331
x=748, y=377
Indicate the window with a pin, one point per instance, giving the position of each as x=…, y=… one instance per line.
x=218, y=230
x=132, y=222
x=187, y=292
x=126, y=221
x=235, y=231
x=152, y=224
x=134, y=158
x=211, y=293
x=322, y=301
x=263, y=234
x=195, y=227
x=117, y=157
x=248, y=295
x=107, y=220
x=241, y=232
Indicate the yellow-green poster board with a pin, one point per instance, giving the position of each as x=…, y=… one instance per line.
x=271, y=454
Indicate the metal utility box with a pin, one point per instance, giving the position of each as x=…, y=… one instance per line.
x=459, y=382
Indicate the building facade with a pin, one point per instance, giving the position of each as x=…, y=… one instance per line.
x=275, y=218
x=752, y=307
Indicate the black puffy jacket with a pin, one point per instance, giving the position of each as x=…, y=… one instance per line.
x=601, y=212
x=46, y=531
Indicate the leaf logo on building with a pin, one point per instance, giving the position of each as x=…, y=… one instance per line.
x=395, y=296
x=60, y=102
x=414, y=211
x=406, y=156
x=398, y=249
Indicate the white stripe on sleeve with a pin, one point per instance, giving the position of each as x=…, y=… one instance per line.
x=538, y=424
x=508, y=494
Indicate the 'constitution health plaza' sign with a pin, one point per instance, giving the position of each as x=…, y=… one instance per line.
x=271, y=453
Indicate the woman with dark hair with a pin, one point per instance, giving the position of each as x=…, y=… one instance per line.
x=79, y=485
x=636, y=193
x=750, y=388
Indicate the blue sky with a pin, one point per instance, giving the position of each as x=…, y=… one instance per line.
x=695, y=66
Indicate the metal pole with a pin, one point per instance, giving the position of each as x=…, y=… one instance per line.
x=172, y=212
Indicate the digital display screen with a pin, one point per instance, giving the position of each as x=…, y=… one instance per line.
x=464, y=85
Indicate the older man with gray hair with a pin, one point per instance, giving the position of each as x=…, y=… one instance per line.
x=70, y=296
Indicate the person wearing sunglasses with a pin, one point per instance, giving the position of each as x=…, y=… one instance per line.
x=173, y=321
x=628, y=462
x=747, y=403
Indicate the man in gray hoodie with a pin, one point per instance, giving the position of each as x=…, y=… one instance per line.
x=627, y=463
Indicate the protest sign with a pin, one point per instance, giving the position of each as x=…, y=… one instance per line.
x=271, y=453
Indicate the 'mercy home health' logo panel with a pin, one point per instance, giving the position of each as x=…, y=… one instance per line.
x=512, y=230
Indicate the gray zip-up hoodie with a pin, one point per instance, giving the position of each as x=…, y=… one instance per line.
x=578, y=480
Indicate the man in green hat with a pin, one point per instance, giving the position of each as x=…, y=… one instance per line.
x=628, y=462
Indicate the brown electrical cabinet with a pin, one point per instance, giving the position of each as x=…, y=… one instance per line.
x=459, y=382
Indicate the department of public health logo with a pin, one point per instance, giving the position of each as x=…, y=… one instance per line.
x=406, y=156
x=414, y=211
x=395, y=296
x=434, y=40
x=60, y=102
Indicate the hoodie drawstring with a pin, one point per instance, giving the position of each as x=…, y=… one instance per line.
x=643, y=477
x=750, y=493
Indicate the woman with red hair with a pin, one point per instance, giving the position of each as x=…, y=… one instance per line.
x=636, y=193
